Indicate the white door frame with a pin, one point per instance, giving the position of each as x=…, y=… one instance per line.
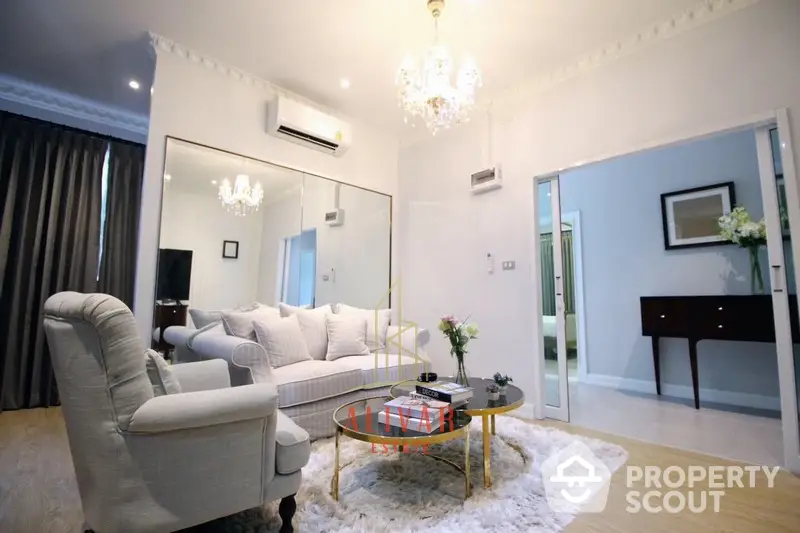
x=786, y=360
x=574, y=219
x=561, y=411
x=781, y=117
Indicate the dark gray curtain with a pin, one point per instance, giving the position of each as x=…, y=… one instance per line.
x=50, y=196
x=120, y=239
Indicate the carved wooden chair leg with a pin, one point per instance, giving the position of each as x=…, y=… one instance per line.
x=286, y=511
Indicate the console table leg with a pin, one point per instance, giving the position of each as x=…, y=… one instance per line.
x=693, y=363
x=657, y=364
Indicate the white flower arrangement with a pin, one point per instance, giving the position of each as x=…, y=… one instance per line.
x=738, y=228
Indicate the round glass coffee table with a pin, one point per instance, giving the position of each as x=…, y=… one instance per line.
x=359, y=420
x=478, y=405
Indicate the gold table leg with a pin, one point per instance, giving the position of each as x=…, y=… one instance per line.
x=487, y=453
x=335, y=479
x=466, y=463
x=493, y=433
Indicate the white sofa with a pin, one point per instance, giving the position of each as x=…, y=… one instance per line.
x=309, y=391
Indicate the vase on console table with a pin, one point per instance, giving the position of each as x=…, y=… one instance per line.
x=756, y=279
x=738, y=228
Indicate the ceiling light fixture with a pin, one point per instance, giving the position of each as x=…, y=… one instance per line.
x=344, y=83
x=429, y=93
x=133, y=84
x=241, y=198
x=167, y=177
x=213, y=182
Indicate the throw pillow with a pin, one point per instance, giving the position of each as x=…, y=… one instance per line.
x=160, y=374
x=240, y=324
x=376, y=336
x=283, y=341
x=202, y=318
x=347, y=335
x=312, y=324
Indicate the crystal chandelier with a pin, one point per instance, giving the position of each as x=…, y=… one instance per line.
x=241, y=198
x=428, y=93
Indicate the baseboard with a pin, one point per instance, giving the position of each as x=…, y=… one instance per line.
x=740, y=399
x=526, y=411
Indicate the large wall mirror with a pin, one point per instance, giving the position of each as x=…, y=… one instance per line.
x=296, y=238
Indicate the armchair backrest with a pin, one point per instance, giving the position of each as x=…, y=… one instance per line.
x=98, y=358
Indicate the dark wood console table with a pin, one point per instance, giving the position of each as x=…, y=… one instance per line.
x=695, y=318
x=167, y=315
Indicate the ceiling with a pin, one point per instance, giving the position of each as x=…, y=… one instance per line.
x=194, y=168
x=92, y=48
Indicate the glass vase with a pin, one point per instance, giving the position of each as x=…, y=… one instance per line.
x=462, y=378
x=756, y=279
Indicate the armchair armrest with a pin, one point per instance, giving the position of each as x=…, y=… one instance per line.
x=247, y=360
x=178, y=335
x=203, y=375
x=173, y=412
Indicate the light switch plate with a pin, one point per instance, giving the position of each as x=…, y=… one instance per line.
x=509, y=265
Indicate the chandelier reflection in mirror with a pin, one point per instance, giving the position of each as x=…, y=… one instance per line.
x=428, y=93
x=241, y=199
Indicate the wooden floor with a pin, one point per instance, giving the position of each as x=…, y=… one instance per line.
x=38, y=492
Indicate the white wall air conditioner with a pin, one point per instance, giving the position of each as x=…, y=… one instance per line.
x=302, y=124
x=486, y=180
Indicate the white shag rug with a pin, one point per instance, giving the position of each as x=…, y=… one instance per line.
x=410, y=493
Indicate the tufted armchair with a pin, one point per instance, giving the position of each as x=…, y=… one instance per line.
x=153, y=464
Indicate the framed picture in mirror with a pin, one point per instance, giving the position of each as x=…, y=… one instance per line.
x=689, y=217
x=230, y=249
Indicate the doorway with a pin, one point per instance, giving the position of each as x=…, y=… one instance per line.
x=299, y=269
x=632, y=373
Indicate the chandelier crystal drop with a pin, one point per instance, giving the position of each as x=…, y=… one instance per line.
x=428, y=93
x=241, y=199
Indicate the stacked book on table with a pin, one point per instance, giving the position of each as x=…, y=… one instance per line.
x=422, y=411
x=415, y=414
x=445, y=391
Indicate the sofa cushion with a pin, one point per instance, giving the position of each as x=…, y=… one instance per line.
x=347, y=335
x=240, y=323
x=381, y=369
x=202, y=318
x=376, y=329
x=310, y=381
x=160, y=374
x=293, y=446
x=283, y=341
x=312, y=323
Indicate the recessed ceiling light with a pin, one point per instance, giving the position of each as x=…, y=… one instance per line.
x=213, y=182
x=344, y=83
x=167, y=177
x=133, y=84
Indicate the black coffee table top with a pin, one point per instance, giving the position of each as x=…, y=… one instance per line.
x=479, y=404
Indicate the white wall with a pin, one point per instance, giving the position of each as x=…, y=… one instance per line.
x=744, y=64
x=282, y=218
x=353, y=256
x=194, y=220
x=624, y=258
x=200, y=104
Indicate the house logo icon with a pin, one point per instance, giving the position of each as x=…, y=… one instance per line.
x=575, y=480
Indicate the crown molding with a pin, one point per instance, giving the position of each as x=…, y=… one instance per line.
x=701, y=14
x=163, y=44
x=38, y=97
